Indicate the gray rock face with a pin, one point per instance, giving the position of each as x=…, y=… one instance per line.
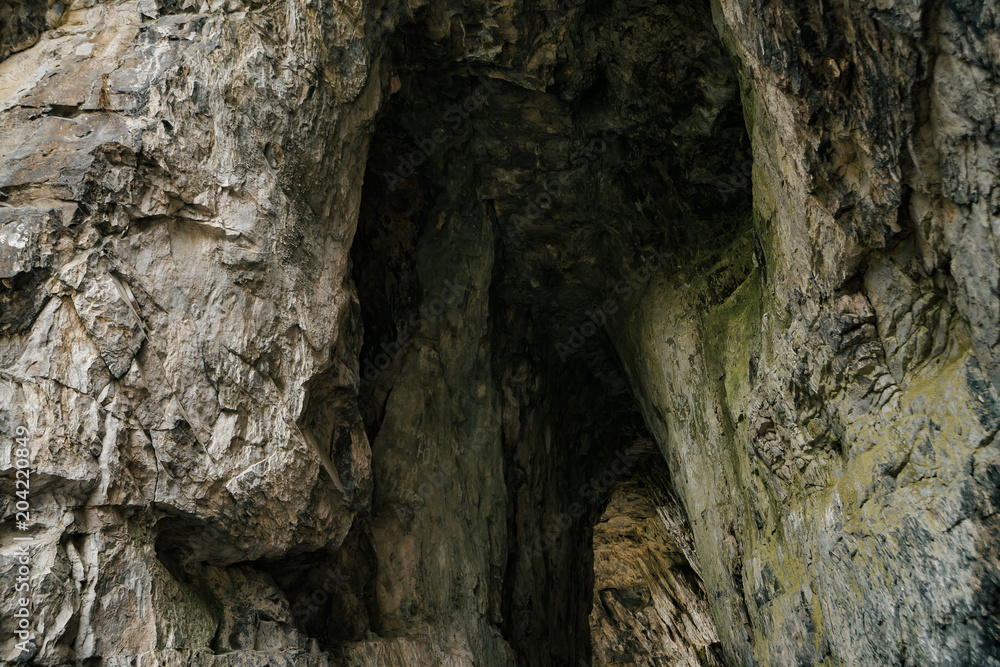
x=333, y=326
x=840, y=391
x=180, y=332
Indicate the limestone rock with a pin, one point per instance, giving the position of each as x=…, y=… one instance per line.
x=331, y=324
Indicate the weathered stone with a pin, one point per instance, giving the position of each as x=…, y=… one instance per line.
x=501, y=333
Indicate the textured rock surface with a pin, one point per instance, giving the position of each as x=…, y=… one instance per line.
x=649, y=601
x=339, y=329
x=179, y=329
x=825, y=388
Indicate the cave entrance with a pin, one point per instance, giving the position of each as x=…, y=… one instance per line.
x=531, y=172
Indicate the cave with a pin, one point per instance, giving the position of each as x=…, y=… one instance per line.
x=575, y=189
x=520, y=333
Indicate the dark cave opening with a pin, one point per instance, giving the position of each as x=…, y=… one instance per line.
x=505, y=223
x=506, y=220
x=589, y=177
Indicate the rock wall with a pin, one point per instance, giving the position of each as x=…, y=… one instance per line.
x=338, y=330
x=180, y=192
x=825, y=388
x=649, y=600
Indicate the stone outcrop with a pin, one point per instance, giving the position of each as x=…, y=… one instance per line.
x=521, y=333
x=833, y=369
x=180, y=334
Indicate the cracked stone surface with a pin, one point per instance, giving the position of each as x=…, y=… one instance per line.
x=333, y=324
